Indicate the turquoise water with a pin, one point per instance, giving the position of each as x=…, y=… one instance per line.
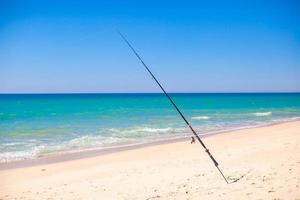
x=45, y=124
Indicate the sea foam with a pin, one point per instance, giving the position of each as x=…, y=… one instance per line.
x=21, y=155
x=201, y=117
x=261, y=114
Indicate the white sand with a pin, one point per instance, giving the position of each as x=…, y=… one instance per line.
x=267, y=157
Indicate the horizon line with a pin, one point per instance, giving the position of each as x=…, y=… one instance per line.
x=70, y=93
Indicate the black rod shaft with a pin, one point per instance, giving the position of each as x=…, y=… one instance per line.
x=175, y=106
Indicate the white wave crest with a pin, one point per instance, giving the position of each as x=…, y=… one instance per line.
x=139, y=130
x=201, y=117
x=261, y=114
x=154, y=130
x=21, y=155
x=88, y=141
x=113, y=137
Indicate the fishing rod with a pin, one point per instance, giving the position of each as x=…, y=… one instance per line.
x=175, y=106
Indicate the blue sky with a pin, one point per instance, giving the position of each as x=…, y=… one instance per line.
x=191, y=46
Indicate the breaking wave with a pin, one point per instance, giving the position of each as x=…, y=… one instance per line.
x=114, y=137
x=110, y=137
x=261, y=114
x=20, y=155
x=201, y=117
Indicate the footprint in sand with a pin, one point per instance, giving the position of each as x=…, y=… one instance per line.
x=197, y=175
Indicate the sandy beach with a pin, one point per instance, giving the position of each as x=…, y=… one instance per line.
x=266, y=159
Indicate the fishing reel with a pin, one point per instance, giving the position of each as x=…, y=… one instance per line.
x=192, y=140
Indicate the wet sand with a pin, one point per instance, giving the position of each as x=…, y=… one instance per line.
x=266, y=159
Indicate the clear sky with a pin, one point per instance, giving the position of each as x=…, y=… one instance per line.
x=191, y=46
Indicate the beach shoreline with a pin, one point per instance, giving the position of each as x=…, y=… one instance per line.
x=87, y=153
x=265, y=160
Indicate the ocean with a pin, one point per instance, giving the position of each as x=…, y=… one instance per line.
x=38, y=125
